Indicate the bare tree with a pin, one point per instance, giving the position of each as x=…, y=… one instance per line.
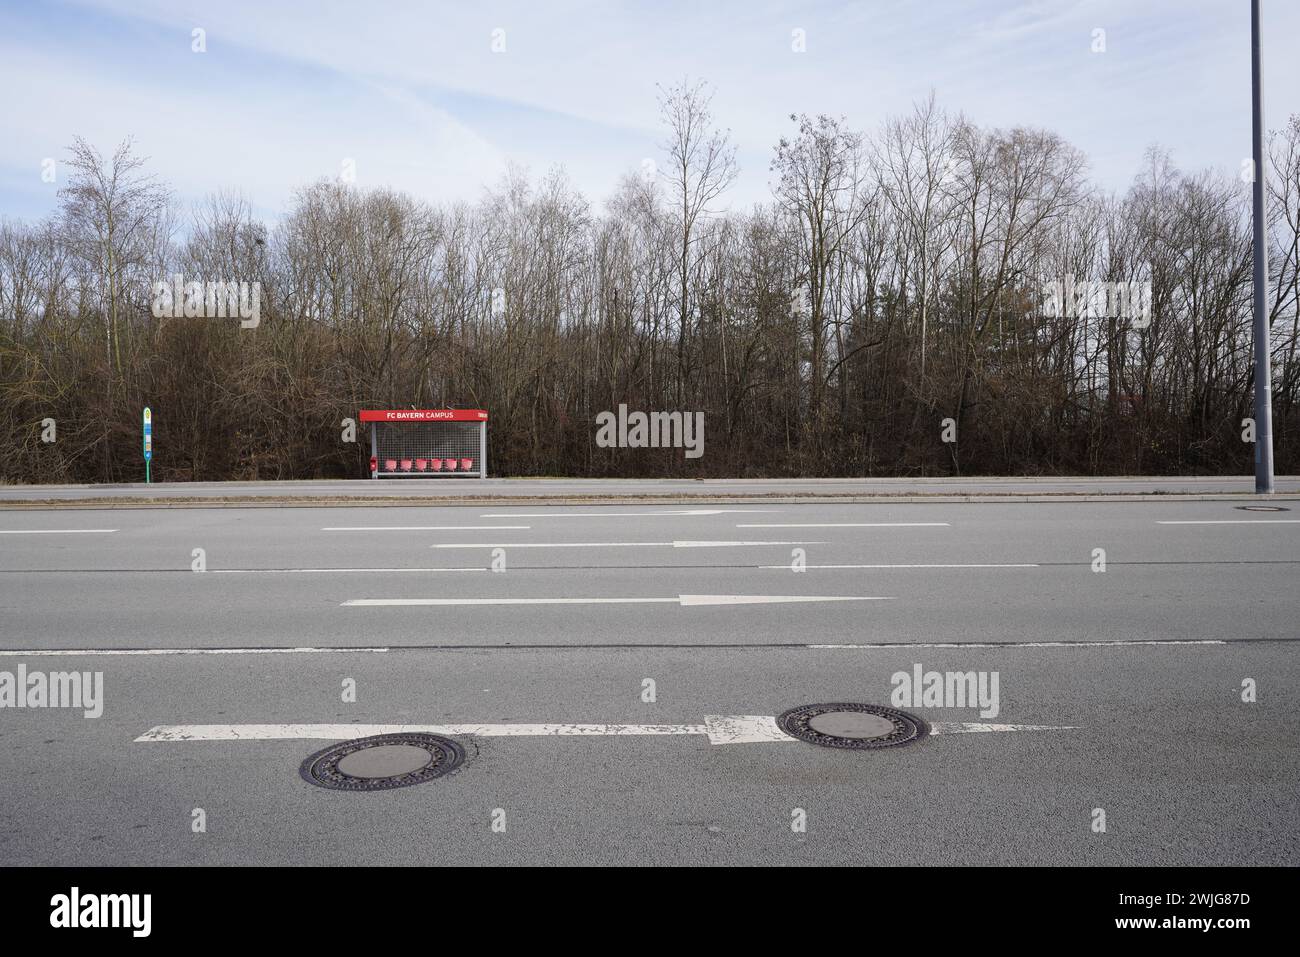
x=109, y=211
x=701, y=166
x=925, y=256
x=915, y=162
x=821, y=176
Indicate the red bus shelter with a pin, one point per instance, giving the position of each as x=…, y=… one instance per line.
x=427, y=443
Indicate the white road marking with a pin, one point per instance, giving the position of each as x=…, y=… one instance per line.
x=743, y=729
x=1034, y=644
x=410, y=602
x=720, y=729
x=131, y=652
x=676, y=544
x=693, y=511
x=686, y=601
x=725, y=544
x=969, y=727
x=419, y=528
x=56, y=531
x=854, y=525
x=1238, y=521
x=314, y=571
x=786, y=567
x=343, y=732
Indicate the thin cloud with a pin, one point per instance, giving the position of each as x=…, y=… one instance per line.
x=414, y=93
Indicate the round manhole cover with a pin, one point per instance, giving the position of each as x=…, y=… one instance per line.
x=853, y=726
x=1263, y=508
x=383, y=762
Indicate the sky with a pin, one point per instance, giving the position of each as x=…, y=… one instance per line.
x=438, y=99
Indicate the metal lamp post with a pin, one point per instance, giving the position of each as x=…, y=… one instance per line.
x=1263, y=365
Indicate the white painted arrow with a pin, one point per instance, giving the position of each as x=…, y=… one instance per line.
x=743, y=729
x=752, y=728
x=344, y=732
x=686, y=601
x=720, y=729
x=977, y=727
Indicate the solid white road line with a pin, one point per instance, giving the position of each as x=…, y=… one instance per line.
x=56, y=531
x=1036, y=644
x=419, y=528
x=787, y=567
x=129, y=652
x=132, y=652
x=720, y=729
x=1238, y=521
x=686, y=601
x=315, y=571
x=678, y=544
x=854, y=525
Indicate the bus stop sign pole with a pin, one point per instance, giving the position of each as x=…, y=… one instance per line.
x=148, y=443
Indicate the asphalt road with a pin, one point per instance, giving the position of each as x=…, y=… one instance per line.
x=1132, y=676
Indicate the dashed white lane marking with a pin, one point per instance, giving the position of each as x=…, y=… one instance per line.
x=56, y=531
x=420, y=528
x=676, y=544
x=132, y=652
x=720, y=729
x=317, y=571
x=855, y=525
x=786, y=567
x=1237, y=521
x=678, y=512
x=686, y=601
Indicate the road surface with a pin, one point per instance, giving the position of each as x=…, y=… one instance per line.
x=1133, y=677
